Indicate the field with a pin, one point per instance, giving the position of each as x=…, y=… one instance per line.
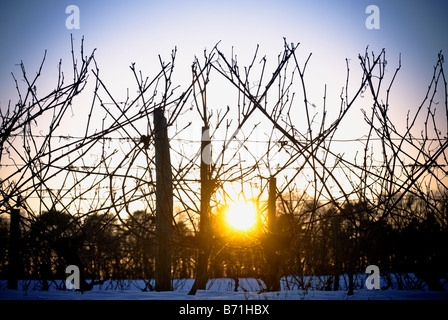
x=217, y=289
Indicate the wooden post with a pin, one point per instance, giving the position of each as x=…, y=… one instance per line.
x=204, y=224
x=14, y=255
x=271, y=242
x=336, y=233
x=271, y=204
x=164, y=203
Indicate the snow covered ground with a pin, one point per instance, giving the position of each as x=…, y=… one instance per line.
x=217, y=289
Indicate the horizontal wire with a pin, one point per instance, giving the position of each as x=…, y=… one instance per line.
x=362, y=139
x=87, y=168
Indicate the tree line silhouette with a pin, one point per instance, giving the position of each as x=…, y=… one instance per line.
x=104, y=250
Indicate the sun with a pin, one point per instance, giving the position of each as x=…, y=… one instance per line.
x=241, y=216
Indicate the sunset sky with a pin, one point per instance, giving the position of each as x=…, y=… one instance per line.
x=124, y=32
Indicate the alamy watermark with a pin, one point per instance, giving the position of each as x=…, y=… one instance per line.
x=373, y=20
x=73, y=278
x=73, y=20
x=373, y=280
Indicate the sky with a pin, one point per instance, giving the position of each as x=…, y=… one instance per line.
x=124, y=32
x=137, y=31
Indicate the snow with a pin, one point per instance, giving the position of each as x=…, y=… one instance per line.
x=217, y=289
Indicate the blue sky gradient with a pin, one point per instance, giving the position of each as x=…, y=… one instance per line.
x=137, y=31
